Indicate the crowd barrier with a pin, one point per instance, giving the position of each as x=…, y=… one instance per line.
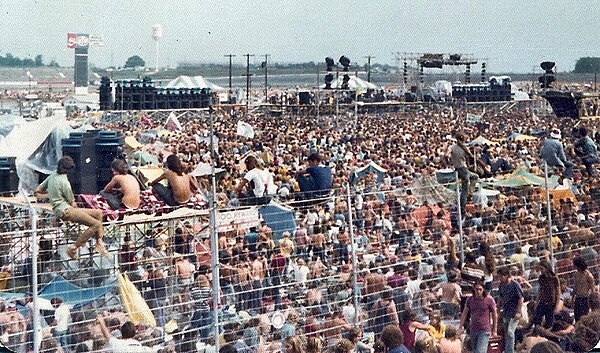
x=288, y=268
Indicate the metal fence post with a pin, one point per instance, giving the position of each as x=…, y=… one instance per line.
x=214, y=238
x=460, y=221
x=549, y=215
x=353, y=250
x=37, y=339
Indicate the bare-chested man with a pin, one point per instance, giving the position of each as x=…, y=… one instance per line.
x=583, y=287
x=123, y=190
x=13, y=323
x=181, y=185
x=317, y=242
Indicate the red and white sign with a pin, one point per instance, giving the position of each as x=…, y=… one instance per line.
x=77, y=40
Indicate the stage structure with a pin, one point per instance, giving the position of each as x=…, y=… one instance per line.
x=413, y=77
x=144, y=95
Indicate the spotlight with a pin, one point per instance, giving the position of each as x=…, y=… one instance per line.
x=548, y=78
x=455, y=57
x=345, y=81
x=345, y=62
x=328, y=80
x=330, y=63
x=547, y=65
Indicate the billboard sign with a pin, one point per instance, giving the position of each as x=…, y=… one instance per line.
x=245, y=218
x=96, y=40
x=78, y=40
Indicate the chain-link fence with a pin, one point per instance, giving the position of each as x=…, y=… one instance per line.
x=324, y=269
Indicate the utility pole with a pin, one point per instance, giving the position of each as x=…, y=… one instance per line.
x=230, y=66
x=369, y=57
x=265, y=65
x=248, y=80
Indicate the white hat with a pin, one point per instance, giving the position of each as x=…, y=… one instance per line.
x=555, y=134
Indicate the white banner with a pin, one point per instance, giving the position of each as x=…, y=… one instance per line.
x=246, y=218
x=245, y=129
x=472, y=118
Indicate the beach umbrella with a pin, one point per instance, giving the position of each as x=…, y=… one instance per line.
x=520, y=137
x=145, y=158
x=482, y=141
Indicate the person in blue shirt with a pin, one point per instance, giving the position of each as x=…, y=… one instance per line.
x=553, y=153
x=586, y=150
x=316, y=180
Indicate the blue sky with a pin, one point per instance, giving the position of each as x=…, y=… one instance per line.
x=513, y=36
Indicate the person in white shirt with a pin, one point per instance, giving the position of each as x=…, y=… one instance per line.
x=258, y=182
x=127, y=344
x=62, y=319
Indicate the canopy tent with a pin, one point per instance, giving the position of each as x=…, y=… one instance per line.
x=71, y=294
x=372, y=167
x=520, y=137
x=355, y=83
x=37, y=147
x=482, y=141
x=131, y=142
x=193, y=82
x=279, y=218
x=521, y=177
x=148, y=173
x=427, y=189
x=145, y=158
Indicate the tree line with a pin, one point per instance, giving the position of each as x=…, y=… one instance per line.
x=587, y=65
x=10, y=60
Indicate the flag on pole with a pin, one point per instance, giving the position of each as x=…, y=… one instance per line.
x=173, y=123
x=245, y=129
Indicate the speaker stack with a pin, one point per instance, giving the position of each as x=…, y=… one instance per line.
x=143, y=94
x=9, y=180
x=109, y=146
x=81, y=146
x=93, y=152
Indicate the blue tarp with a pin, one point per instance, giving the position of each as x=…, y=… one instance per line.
x=72, y=294
x=279, y=218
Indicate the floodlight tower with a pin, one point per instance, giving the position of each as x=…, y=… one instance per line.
x=157, y=34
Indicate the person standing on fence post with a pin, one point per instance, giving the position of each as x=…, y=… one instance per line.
x=459, y=154
x=483, y=318
x=57, y=188
x=511, y=299
x=583, y=287
x=553, y=153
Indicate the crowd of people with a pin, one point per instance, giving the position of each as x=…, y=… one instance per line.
x=378, y=270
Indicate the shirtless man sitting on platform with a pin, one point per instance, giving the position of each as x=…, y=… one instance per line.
x=123, y=190
x=181, y=185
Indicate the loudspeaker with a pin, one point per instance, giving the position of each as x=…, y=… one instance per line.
x=304, y=98
x=9, y=180
x=81, y=146
x=83, y=183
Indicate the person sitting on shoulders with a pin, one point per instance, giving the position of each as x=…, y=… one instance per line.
x=123, y=190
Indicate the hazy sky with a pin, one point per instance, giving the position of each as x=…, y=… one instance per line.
x=512, y=35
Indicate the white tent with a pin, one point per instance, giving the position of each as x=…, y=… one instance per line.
x=355, y=83
x=194, y=82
